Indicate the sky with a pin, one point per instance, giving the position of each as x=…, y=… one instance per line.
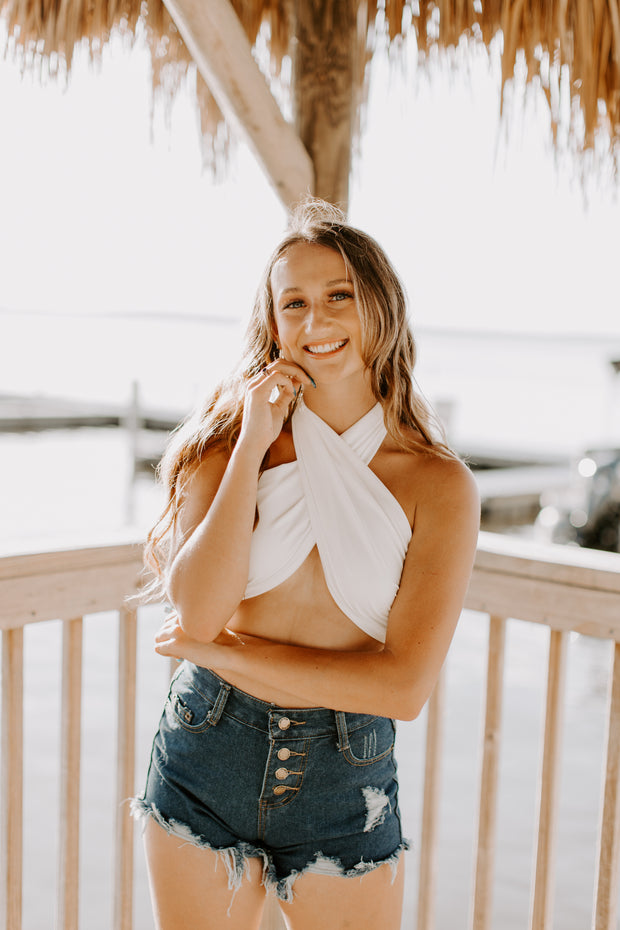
x=105, y=211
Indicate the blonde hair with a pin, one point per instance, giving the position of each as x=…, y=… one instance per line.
x=388, y=349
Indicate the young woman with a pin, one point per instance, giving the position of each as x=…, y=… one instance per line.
x=316, y=548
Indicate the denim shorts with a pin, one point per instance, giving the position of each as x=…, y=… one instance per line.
x=302, y=789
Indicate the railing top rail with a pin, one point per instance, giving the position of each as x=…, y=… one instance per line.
x=562, y=587
x=568, y=565
x=68, y=579
x=496, y=552
x=41, y=557
x=565, y=587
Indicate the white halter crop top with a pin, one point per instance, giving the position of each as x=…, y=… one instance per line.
x=329, y=497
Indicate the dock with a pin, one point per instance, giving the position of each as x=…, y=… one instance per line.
x=34, y=413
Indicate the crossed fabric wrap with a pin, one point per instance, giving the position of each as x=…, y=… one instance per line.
x=330, y=498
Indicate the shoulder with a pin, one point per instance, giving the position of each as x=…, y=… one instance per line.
x=430, y=485
x=447, y=476
x=448, y=500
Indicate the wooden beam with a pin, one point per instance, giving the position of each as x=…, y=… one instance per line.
x=328, y=71
x=218, y=44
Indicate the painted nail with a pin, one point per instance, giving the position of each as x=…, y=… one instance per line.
x=313, y=381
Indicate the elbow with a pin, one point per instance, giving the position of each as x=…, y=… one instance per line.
x=196, y=627
x=402, y=703
x=408, y=699
x=410, y=686
x=200, y=622
x=405, y=696
x=194, y=622
x=414, y=702
x=407, y=707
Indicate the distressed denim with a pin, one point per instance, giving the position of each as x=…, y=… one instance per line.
x=301, y=789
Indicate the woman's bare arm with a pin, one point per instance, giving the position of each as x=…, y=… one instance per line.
x=397, y=679
x=208, y=568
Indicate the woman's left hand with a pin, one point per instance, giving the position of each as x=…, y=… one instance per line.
x=172, y=640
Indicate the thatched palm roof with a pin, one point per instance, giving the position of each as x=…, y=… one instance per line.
x=560, y=40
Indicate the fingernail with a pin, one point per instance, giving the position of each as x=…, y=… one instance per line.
x=313, y=381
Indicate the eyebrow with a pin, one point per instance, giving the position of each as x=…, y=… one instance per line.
x=295, y=289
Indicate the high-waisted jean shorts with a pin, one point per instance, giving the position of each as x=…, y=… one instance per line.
x=302, y=790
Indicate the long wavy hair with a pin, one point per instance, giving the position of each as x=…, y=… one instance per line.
x=388, y=349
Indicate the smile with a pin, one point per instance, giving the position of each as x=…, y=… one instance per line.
x=326, y=348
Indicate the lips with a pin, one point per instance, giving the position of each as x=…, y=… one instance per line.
x=325, y=348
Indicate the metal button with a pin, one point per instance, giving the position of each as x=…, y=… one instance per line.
x=279, y=789
x=281, y=774
x=284, y=754
x=284, y=723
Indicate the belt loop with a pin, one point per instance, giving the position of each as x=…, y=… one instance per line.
x=220, y=703
x=341, y=727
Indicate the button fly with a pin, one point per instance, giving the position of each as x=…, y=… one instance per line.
x=279, y=789
x=284, y=723
x=284, y=754
x=281, y=774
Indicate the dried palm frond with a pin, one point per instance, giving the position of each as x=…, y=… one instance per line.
x=582, y=36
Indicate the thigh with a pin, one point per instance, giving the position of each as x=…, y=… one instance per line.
x=190, y=887
x=337, y=902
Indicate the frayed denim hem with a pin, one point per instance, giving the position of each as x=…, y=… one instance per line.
x=235, y=857
x=322, y=865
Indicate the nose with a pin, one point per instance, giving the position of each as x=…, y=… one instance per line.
x=318, y=315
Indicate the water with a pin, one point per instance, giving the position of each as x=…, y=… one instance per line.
x=542, y=395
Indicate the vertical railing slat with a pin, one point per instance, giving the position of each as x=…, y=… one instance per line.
x=544, y=872
x=606, y=900
x=125, y=770
x=11, y=784
x=482, y=898
x=67, y=917
x=430, y=813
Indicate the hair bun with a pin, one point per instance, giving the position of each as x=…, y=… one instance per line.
x=312, y=212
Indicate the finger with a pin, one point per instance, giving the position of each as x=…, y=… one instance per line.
x=166, y=629
x=282, y=406
x=265, y=389
x=284, y=384
x=291, y=369
x=166, y=634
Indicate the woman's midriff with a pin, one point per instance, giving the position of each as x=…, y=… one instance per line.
x=298, y=612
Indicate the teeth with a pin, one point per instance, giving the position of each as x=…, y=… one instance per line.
x=327, y=347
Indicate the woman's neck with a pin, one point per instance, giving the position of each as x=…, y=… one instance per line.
x=340, y=404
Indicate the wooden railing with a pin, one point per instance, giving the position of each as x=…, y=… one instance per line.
x=66, y=584
x=562, y=588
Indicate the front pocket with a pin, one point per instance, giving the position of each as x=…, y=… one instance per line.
x=371, y=742
x=188, y=707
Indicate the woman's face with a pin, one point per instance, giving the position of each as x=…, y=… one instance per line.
x=316, y=315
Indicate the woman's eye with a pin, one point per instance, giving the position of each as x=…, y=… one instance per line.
x=342, y=295
x=294, y=304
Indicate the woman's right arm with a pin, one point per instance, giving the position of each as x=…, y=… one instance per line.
x=209, y=562
x=208, y=567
